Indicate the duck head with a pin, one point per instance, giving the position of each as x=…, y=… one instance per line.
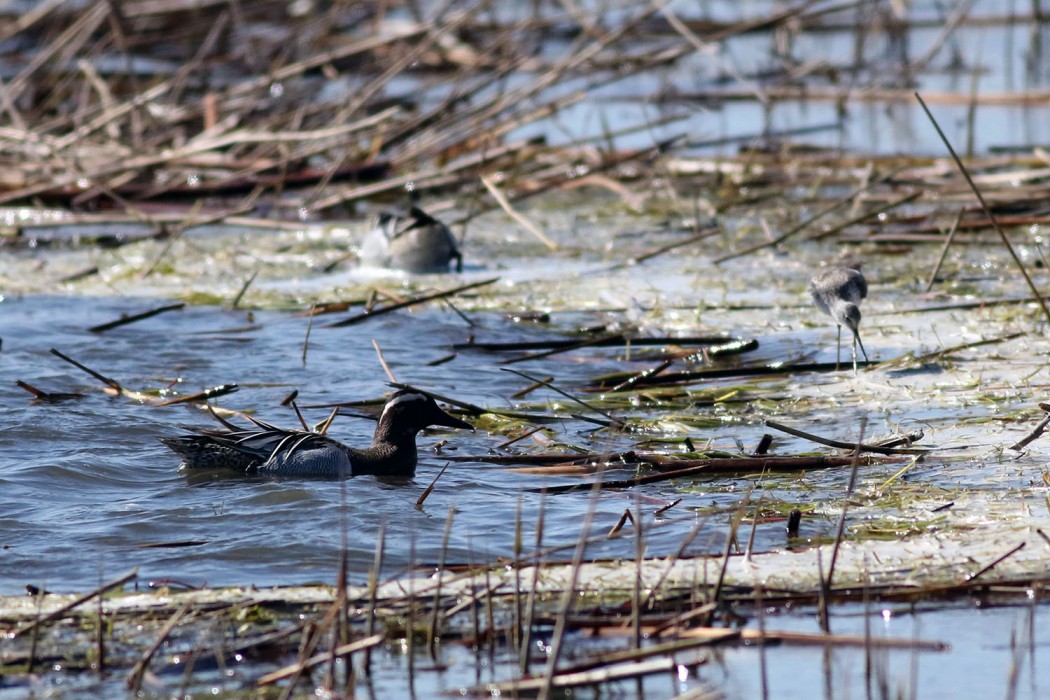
x=408, y=411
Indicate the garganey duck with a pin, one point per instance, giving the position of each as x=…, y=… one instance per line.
x=269, y=450
x=838, y=293
x=414, y=243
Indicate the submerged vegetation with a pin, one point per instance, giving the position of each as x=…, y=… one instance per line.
x=632, y=313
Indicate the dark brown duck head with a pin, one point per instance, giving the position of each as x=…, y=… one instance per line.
x=407, y=412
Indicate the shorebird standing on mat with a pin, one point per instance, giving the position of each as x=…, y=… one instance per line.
x=838, y=293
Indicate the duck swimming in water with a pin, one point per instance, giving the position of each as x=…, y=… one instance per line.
x=269, y=450
x=414, y=243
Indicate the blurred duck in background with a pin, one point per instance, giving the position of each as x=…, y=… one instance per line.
x=414, y=243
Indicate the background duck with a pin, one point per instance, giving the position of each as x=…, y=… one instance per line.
x=414, y=243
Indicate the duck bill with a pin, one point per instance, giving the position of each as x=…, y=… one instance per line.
x=451, y=422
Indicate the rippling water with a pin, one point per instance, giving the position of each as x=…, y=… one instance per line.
x=88, y=490
x=87, y=483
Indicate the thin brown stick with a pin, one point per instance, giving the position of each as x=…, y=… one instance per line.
x=221, y=390
x=508, y=443
x=811, y=639
x=567, y=597
x=615, y=421
x=1038, y=430
x=134, y=680
x=125, y=320
x=476, y=410
x=809, y=221
x=944, y=250
x=987, y=211
x=112, y=383
x=382, y=361
x=517, y=216
x=327, y=422
x=642, y=376
x=663, y=509
x=743, y=465
x=677, y=624
x=605, y=674
x=428, y=489
x=244, y=289
x=734, y=524
x=61, y=611
x=879, y=210
x=436, y=615
x=840, y=530
x=309, y=327
x=519, y=536
x=50, y=396
x=615, y=339
x=410, y=302
x=967, y=346
x=704, y=234
x=625, y=517
x=530, y=601
x=844, y=445
x=373, y=591
x=297, y=668
x=995, y=563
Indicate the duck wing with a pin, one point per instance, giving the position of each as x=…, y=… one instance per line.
x=268, y=450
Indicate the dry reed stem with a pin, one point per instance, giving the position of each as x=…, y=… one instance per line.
x=436, y=614
x=616, y=421
x=61, y=611
x=985, y=569
x=207, y=394
x=296, y=669
x=51, y=396
x=427, y=491
x=125, y=320
x=617, y=672
x=826, y=583
x=373, y=588
x=519, y=527
x=877, y=449
x=411, y=302
x=602, y=340
x=1038, y=430
x=322, y=427
x=810, y=220
x=530, y=602
x=382, y=361
x=814, y=639
x=987, y=211
x=134, y=680
x=522, y=220
x=566, y=602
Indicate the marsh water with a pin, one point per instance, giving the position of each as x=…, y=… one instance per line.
x=90, y=485
x=87, y=490
x=90, y=490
